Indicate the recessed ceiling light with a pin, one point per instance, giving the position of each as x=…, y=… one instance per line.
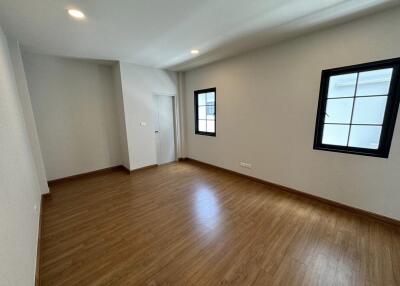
x=76, y=14
x=194, y=52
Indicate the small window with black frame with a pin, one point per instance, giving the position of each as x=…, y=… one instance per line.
x=205, y=111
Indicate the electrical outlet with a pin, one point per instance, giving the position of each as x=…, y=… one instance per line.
x=245, y=165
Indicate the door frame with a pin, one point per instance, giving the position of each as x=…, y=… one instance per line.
x=176, y=125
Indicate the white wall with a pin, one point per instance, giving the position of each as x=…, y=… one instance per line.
x=121, y=116
x=24, y=96
x=180, y=106
x=19, y=186
x=75, y=112
x=266, y=108
x=139, y=84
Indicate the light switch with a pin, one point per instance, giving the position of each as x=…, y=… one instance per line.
x=143, y=123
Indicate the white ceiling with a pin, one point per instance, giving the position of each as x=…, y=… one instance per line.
x=160, y=33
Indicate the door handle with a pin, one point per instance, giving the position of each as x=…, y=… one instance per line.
x=156, y=131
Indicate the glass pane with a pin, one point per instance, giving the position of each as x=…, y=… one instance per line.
x=365, y=136
x=201, y=99
x=375, y=82
x=339, y=110
x=210, y=98
x=202, y=112
x=210, y=109
x=210, y=117
x=210, y=126
x=335, y=134
x=202, y=125
x=369, y=110
x=342, y=85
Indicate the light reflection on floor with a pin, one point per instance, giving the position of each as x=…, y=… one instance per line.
x=206, y=207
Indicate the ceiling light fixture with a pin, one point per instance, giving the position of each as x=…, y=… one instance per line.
x=76, y=14
x=194, y=52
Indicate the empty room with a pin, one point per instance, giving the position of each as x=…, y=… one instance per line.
x=216, y=142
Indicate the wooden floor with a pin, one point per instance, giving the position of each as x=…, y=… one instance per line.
x=188, y=224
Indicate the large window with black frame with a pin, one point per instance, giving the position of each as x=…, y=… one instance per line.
x=357, y=108
x=205, y=111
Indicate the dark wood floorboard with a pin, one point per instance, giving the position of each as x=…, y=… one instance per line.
x=187, y=224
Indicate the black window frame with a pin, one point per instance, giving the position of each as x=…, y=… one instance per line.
x=196, y=110
x=390, y=116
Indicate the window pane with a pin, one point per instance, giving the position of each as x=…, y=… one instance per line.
x=342, y=85
x=202, y=99
x=210, y=98
x=210, y=109
x=369, y=110
x=365, y=136
x=210, y=117
x=210, y=126
x=335, y=134
x=375, y=82
x=202, y=112
x=339, y=110
x=202, y=125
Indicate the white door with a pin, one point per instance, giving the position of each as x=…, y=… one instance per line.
x=164, y=129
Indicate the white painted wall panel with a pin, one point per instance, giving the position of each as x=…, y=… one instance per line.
x=75, y=109
x=19, y=187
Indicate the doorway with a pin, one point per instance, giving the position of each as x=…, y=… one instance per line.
x=164, y=129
